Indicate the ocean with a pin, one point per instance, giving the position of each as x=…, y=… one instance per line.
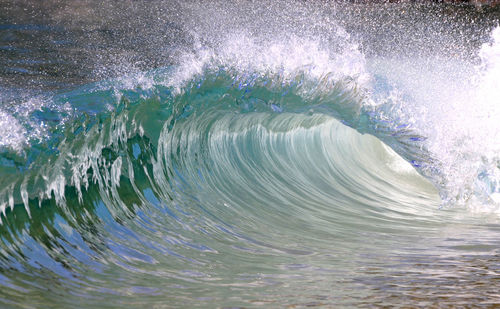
x=276, y=154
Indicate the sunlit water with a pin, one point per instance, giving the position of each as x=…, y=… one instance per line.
x=270, y=154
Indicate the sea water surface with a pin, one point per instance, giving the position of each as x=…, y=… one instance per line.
x=158, y=154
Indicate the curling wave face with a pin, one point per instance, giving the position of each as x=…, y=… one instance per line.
x=173, y=189
x=72, y=155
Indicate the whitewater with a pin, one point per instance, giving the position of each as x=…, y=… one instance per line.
x=266, y=154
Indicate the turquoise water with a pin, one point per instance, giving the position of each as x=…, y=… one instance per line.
x=277, y=158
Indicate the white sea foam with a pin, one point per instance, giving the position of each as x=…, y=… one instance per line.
x=455, y=105
x=288, y=57
x=12, y=135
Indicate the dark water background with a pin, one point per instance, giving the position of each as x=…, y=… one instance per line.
x=48, y=45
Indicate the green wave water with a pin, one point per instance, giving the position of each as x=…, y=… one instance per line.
x=257, y=173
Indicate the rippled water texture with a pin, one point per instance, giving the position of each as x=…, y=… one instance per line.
x=267, y=154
